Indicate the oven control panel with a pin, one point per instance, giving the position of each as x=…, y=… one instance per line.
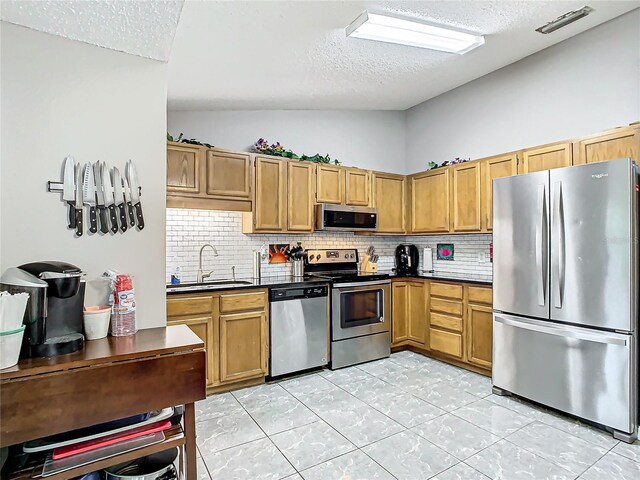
x=338, y=255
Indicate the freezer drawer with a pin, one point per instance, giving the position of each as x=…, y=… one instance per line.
x=584, y=372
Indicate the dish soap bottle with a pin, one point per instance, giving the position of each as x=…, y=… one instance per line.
x=175, y=276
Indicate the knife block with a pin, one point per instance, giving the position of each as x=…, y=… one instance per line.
x=367, y=266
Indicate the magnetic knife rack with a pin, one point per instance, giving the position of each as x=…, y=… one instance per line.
x=58, y=187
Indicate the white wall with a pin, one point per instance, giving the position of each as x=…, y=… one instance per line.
x=588, y=83
x=368, y=139
x=61, y=97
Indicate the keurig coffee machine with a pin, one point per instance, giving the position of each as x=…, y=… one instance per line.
x=407, y=259
x=53, y=317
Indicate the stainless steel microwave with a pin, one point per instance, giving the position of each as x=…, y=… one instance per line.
x=345, y=218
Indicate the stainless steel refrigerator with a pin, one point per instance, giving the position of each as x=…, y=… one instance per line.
x=565, y=291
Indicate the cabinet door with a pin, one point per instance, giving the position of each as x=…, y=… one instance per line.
x=417, y=309
x=479, y=335
x=203, y=328
x=610, y=145
x=329, y=184
x=465, y=197
x=243, y=346
x=269, y=198
x=184, y=168
x=546, y=158
x=400, y=312
x=357, y=185
x=300, y=196
x=228, y=174
x=492, y=168
x=430, y=201
x=389, y=200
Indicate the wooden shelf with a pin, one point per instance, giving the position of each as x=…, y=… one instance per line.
x=174, y=437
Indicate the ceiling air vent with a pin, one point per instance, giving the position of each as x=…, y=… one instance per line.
x=565, y=20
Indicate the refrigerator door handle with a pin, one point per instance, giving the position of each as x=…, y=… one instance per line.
x=541, y=245
x=567, y=332
x=558, y=220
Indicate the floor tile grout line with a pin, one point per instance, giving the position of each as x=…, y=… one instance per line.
x=374, y=460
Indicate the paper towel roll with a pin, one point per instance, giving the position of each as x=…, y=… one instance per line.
x=427, y=259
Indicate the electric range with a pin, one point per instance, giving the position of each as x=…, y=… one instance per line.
x=360, y=306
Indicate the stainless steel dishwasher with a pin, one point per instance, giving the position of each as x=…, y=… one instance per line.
x=299, y=328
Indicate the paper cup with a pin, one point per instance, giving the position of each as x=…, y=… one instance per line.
x=10, y=343
x=96, y=322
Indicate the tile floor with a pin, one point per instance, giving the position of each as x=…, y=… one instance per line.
x=407, y=417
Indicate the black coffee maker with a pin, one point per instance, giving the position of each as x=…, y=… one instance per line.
x=407, y=259
x=53, y=317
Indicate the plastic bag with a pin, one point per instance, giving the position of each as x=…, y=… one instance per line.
x=123, y=304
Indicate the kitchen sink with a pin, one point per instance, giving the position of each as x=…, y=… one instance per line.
x=189, y=287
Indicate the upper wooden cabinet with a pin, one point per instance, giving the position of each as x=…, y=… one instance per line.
x=329, y=184
x=357, y=187
x=465, y=197
x=270, y=201
x=300, y=195
x=389, y=199
x=546, y=157
x=228, y=174
x=492, y=168
x=184, y=168
x=610, y=145
x=430, y=201
x=214, y=179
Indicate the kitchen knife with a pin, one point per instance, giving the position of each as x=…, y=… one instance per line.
x=79, y=210
x=108, y=193
x=127, y=197
x=132, y=176
x=118, y=193
x=68, y=188
x=102, y=209
x=89, y=197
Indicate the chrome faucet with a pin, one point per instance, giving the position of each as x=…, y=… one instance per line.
x=201, y=276
x=233, y=273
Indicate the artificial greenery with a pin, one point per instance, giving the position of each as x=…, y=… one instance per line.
x=446, y=163
x=262, y=146
x=190, y=141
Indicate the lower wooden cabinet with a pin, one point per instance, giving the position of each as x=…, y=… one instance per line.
x=409, y=313
x=449, y=320
x=234, y=326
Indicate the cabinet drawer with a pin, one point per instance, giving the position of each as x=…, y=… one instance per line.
x=242, y=302
x=480, y=295
x=188, y=305
x=446, y=290
x=445, y=321
x=446, y=306
x=446, y=342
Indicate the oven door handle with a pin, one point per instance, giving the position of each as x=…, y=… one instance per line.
x=362, y=284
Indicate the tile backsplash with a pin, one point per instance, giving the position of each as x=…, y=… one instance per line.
x=188, y=230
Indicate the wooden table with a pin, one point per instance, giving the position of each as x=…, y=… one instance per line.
x=109, y=379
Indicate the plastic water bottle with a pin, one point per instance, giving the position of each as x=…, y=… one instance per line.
x=123, y=315
x=175, y=276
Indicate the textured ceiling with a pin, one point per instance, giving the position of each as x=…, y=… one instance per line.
x=144, y=28
x=294, y=54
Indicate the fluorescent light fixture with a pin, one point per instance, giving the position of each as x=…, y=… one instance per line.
x=565, y=20
x=383, y=28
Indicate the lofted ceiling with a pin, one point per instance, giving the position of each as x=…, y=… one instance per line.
x=294, y=54
x=143, y=28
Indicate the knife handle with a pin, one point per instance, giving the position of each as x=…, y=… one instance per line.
x=114, y=218
x=132, y=216
x=72, y=215
x=78, y=213
x=104, y=226
x=139, y=215
x=93, y=221
x=123, y=217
